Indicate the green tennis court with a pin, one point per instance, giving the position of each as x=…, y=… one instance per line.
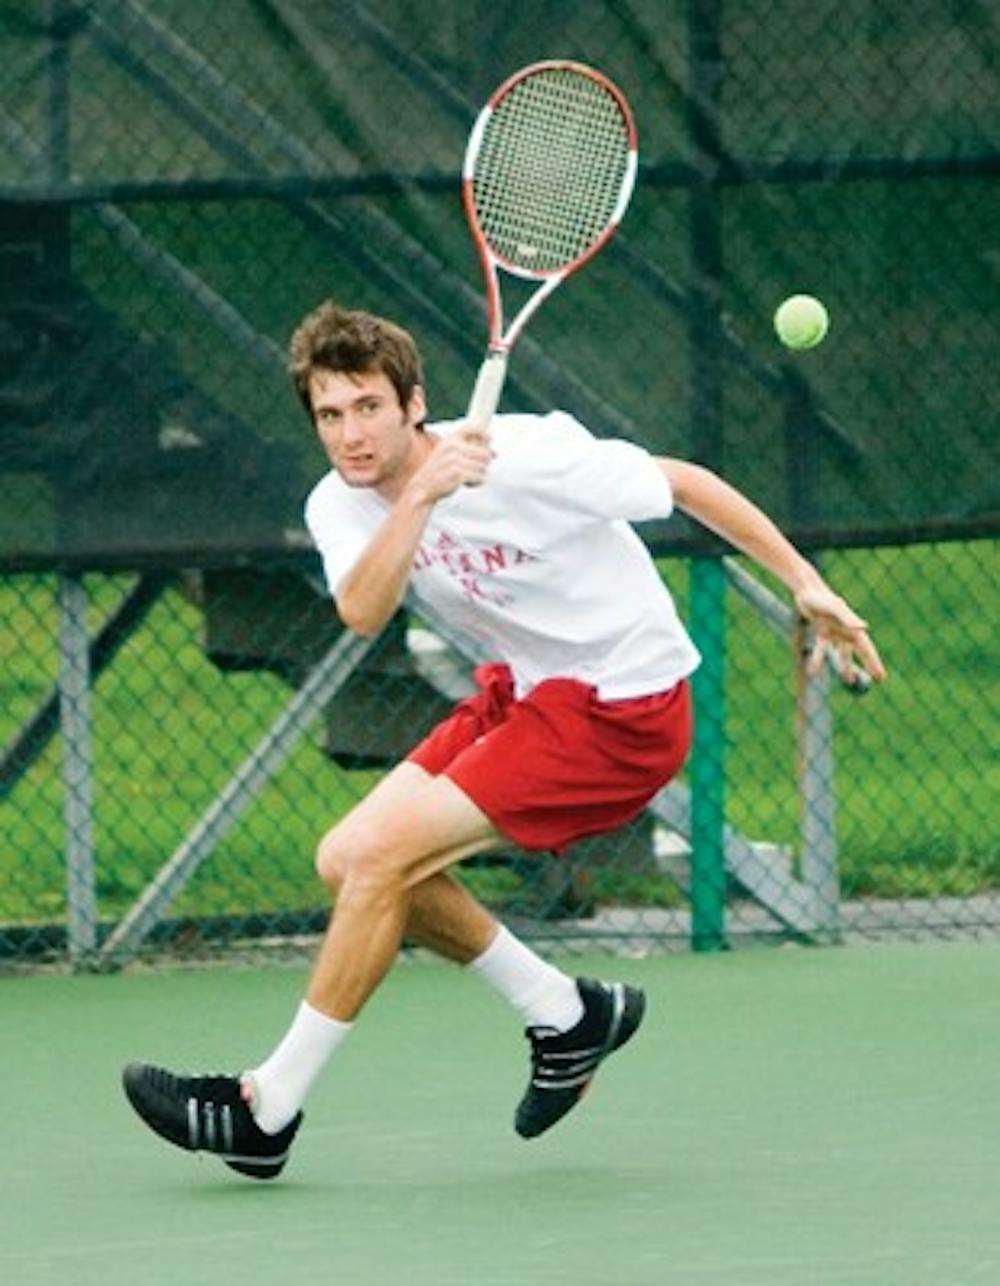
x=796, y=1116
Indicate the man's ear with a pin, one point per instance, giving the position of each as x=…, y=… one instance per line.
x=417, y=409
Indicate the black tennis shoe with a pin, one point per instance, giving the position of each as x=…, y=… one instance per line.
x=208, y=1114
x=564, y=1063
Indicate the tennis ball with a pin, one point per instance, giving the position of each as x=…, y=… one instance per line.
x=801, y=322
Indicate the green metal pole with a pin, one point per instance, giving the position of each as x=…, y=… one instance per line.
x=707, y=772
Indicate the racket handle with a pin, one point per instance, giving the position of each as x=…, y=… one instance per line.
x=489, y=386
x=858, y=686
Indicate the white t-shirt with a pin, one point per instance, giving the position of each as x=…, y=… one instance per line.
x=539, y=563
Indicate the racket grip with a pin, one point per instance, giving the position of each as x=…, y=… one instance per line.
x=489, y=386
x=861, y=683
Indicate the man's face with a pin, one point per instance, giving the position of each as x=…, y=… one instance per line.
x=368, y=437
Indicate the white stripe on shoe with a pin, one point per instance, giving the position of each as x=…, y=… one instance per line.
x=194, y=1127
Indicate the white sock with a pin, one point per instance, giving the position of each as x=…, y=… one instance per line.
x=542, y=994
x=280, y=1084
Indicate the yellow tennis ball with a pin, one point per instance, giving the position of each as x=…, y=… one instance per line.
x=801, y=322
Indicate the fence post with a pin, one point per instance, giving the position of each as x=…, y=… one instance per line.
x=817, y=787
x=708, y=585
x=708, y=781
x=817, y=797
x=78, y=790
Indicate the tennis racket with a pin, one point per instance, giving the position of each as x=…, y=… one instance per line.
x=549, y=169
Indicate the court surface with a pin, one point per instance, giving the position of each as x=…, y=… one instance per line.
x=786, y=1116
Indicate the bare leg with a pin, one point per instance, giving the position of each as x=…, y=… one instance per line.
x=388, y=857
x=446, y=919
x=443, y=915
x=386, y=862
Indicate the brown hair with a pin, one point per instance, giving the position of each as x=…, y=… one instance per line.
x=353, y=342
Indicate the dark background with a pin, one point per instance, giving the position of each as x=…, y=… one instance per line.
x=180, y=182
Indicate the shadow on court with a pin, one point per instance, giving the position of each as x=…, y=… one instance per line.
x=798, y=1116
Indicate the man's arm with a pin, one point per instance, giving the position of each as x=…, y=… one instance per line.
x=369, y=594
x=724, y=510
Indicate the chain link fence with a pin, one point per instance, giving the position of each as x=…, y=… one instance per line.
x=181, y=716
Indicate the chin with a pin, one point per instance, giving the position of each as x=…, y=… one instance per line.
x=359, y=475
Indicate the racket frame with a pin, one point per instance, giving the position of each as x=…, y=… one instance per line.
x=489, y=383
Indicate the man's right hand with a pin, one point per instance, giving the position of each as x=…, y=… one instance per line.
x=461, y=459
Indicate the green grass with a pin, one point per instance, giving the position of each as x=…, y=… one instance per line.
x=915, y=772
x=915, y=764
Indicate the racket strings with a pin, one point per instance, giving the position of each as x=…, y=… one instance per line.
x=550, y=171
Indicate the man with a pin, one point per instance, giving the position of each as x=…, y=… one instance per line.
x=517, y=534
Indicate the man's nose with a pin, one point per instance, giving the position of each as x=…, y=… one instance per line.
x=351, y=428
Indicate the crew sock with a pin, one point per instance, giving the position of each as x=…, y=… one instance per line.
x=278, y=1087
x=543, y=995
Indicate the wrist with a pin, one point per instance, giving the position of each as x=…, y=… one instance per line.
x=805, y=577
x=416, y=498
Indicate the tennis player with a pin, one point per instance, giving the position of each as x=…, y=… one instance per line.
x=520, y=537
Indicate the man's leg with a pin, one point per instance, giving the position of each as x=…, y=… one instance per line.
x=383, y=864
x=383, y=850
x=440, y=914
x=389, y=858
x=445, y=918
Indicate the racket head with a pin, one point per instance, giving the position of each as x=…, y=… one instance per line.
x=549, y=169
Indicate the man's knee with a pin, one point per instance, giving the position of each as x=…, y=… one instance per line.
x=355, y=855
x=398, y=838
x=331, y=861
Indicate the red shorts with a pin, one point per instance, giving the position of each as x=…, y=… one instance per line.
x=559, y=764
